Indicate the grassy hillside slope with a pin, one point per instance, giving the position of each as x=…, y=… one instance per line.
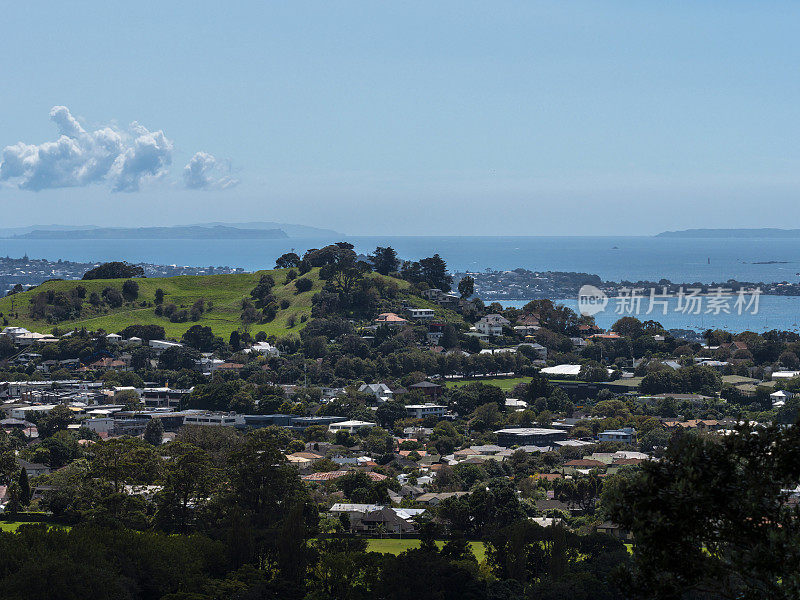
x=224, y=291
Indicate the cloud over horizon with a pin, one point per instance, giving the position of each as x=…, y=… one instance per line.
x=203, y=172
x=122, y=158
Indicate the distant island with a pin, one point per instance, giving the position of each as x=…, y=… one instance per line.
x=193, y=232
x=765, y=232
x=249, y=230
x=292, y=230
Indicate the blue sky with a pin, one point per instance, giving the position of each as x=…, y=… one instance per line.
x=551, y=118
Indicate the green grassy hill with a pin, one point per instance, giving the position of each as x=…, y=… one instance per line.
x=224, y=291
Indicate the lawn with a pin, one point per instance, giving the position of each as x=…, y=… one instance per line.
x=504, y=383
x=14, y=525
x=395, y=546
x=632, y=383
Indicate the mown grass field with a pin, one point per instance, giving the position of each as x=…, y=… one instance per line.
x=395, y=546
x=504, y=383
x=12, y=526
x=224, y=291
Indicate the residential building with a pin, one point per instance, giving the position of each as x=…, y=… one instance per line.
x=529, y=436
x=163, y=397
x=160, y=345
x=420, y=411
x=381, y=391
x=390, y=319
x=218, y=419
x=33, y=469
x=492, y=325
x=626, y=435
x=421, y=313
x=349, y=426
x=431, y=390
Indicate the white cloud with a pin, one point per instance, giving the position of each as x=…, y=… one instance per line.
x=204, y=172
x=123, y=158
x=148, y=155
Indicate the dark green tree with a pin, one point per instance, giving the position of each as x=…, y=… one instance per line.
x=154, y=432
x=466, y=287
x=24, y=487
x=384, y=260
x=114, y=270
x=287, y=261
x=713, y=518
x=434, y=273
x=130, y=290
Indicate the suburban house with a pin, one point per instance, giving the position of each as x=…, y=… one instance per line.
x=263, y=348
x=433, y=294
x=349, y=426
x=33, y=469
x=779, y=398
x=614, y=530
x=421, y=313
x=161, y=345
x=390, y=320
x=626, y=435
x=492, y=325
x=529, y=436
x=541, y=351
x=375, y=518
x=381, y=391
x=429, y=389
x=163, y=397
x=420, y=411
x=432, y=499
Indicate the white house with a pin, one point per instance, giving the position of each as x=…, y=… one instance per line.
x=380, y=390
x=785, y=374
x=626, y=435
x=569, y=370
x=420, y=411
x=516, y=404
x=492, y=324
x=779, y=398
x=349, y=426
x=421, y=313
x=161, y=345
x=263, y=348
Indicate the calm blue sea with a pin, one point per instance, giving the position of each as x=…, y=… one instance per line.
x=774, y=312
x=613, y=258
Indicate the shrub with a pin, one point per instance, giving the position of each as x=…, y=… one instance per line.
x=303, y=285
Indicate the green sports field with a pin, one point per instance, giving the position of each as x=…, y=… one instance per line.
x=395, y=546
x=504, y=383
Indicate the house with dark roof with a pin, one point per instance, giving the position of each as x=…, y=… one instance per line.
x=431, y=390
x=33, y=469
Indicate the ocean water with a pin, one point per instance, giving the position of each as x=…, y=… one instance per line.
x=613, y=258
x=774, y=312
